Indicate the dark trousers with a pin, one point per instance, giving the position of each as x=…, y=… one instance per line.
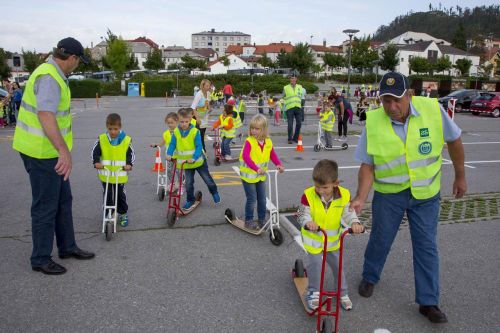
x=51, y=210
x=204, y=174
x=343, y=124
x=294, y=113
x=226, y=146
x=202, y=133
x=122, y=206
x=242, y=116
x=303, y=109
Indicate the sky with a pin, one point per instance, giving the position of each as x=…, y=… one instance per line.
x=38, y=25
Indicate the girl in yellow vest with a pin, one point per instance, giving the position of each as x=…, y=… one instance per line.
x=227, y=130
x=114, y=150
x=327, y=119
x=254, y=160
x=171, y=121
x=323, y=206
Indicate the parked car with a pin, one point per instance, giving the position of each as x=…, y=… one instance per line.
x=487, y=103
x=464, y=99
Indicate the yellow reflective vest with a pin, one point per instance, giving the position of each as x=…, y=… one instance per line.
x=29, y=137
x=185, y=149
x=224, y=121
x=236, y=120
x=292, y=96
x=259, y=157
x=327, y=120
x=114, y=158
x=414, y=164
x=328, y=220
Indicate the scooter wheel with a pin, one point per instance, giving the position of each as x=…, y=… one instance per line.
x=326, y=326
x=109, y=231
x=217, y=161
x=299, y=269
x=198, y=195
x=317, y=147
x=229, y=214
x=278, y=237
x=345, y=146
x=171, y=217
x=161, y=194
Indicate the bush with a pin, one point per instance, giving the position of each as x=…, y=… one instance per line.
x=84, y=88
x=112, y=88
x=157, y=88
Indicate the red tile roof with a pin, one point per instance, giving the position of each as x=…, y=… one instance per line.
x=145, y=40
x=207, y=53
x=322, y=48
x=273, y=48
x=236, y=49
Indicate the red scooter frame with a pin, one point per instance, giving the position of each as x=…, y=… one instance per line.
x=325, y=306
x=174, y=209
x=217, y=150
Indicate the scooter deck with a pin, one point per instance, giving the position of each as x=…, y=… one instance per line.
x=193, y=207
x=230, y=160
x=241, y=225
x=301, y=284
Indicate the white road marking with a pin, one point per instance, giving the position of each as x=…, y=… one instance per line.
x=481, y=143
x=450, y=162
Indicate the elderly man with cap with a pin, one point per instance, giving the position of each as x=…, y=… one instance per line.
x=400, y=154
x=44, y=139
x=292, y=94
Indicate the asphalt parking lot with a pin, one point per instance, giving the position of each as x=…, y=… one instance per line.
x=205, y=275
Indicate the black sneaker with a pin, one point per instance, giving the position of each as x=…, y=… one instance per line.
x=290, y=142
x=433, y=313
x=365, y=288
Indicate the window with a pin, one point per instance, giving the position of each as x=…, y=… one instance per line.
x=202, y=43
x=195, y=43
x=239, y=38
x=231, y=38
x=225, y=38
x=318, y=55
x=216, y=38
x=16, y=61
x=203, y=38
x=402, y=59
x=216, y=43
x=217, y=49
x=209, y=43
x=432, y=56
x=239, y=44
x=225, y=44
x=209, y=38
x=195, y=38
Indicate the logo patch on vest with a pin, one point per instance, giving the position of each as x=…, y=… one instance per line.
x=425, y=148
x=424, y=132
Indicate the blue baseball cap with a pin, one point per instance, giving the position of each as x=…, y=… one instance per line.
x=70, y=45
x=394, y=84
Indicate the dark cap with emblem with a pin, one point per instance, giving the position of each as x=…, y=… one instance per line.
x=394, y=84
x=71, y=46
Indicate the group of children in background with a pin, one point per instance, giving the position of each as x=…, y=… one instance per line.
x=323, y=205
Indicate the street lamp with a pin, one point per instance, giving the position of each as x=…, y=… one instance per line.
x=350, y=33
x=310, y=43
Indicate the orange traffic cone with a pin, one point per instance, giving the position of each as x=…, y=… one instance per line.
x=299, y=144
x=158, y=165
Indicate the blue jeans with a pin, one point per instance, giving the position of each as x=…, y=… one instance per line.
x=225, y=148
x=204, y=174
x=51, y=210
x=255, y=192
x=388, y=211
x=294, y=113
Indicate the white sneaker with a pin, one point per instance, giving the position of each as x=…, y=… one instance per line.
x=312, y=300
x=346, y=303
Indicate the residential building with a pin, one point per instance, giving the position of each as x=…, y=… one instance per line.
x=411, y=37
x=271, y=50
x=235, y=63
x=173, y=54
x=15, y=61
x=319, y=51
x=219, y=41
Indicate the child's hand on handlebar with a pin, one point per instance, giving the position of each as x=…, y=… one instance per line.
x=127, y=167
x=312, y=226
x=280, y=168
x=357, y=228
x=261, y=172
x=190, y=161
x=99, y=166
x=168, y=158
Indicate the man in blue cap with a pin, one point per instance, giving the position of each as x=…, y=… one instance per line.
x=400, y=153
x=44, y=139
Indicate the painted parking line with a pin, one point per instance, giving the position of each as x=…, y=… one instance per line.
x=445, y=161
x=481, y=143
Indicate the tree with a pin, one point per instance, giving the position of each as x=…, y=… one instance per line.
x=174, y=66
x=191, y=63
x=390, y=59
x=283, y=59
x=459, y=39
x=225, y=61
x=486, y=68
x=154, y=60
x=419, y=65
x=301, y=58
x=31, y=60
x=443, y=64
x=334, y=60
x=362, y=56
x=463, y=65
x=92, y=66
x=133, y=63
x=265, y=61
x=4, y=68
x=118, y=56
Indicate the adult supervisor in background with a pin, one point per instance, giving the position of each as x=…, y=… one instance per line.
x=400, y=154
x=44, y=139
x=292, y=94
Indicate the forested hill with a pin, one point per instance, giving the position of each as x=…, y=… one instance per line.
x=443, y=23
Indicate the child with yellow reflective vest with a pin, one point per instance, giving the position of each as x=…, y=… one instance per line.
x=324, y=206
x=237, y=120
x=113, y=151
x=327, y=119
x=241, y=108
x=255, y=155
x=171, y=121
x=225, y=123
x=186, y=146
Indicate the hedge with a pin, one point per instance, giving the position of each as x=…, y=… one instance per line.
x=112, y=88
x=84, y=88
x=157, y=88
